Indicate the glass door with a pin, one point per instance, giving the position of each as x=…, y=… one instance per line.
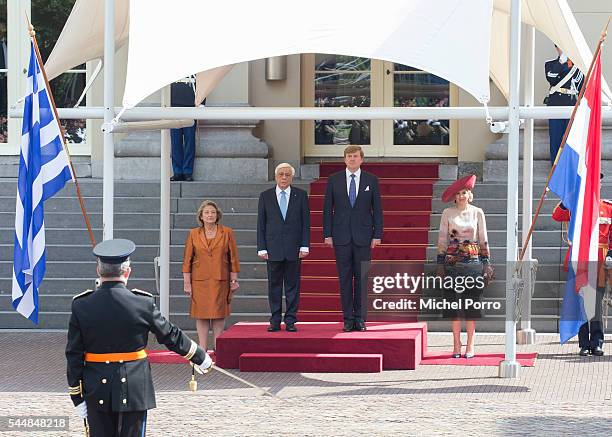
x=405, y=86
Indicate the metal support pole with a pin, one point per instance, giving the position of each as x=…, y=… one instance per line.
x=109, y=113
x=164, y=215
x=509, y=368
x=526, y=335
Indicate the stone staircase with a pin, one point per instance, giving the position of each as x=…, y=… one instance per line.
x=71, y=265
x=548, y=248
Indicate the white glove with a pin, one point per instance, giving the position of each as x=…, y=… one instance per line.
x=81, y=410
x=562, y=58
x=608, y=263
x=205, y=366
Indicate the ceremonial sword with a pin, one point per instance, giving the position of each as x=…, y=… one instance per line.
x=231, y=375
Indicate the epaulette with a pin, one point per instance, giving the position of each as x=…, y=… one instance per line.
x=141, y=292
x=85, y=293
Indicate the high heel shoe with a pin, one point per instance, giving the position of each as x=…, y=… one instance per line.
x=469, y=355
x=456, y=355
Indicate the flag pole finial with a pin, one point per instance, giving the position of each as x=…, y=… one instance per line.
x=31, y=30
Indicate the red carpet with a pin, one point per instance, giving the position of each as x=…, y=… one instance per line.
x=400, y=344
x=525, y=360
x=316, y=363
x=406, y=190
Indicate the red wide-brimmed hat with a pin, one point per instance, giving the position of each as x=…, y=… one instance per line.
x=466, y=182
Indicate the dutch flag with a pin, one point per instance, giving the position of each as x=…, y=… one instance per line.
x=576, y=181
x=43, y=171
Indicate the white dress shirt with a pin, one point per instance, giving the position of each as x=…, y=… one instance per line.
x=348, y=182
x=278, y=198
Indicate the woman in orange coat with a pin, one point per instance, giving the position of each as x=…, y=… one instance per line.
x=210, y=271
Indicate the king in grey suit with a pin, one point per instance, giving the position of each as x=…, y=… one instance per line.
x=283, y=237
x=353, y=225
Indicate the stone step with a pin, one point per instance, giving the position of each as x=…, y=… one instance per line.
x=498, y=238
x=87, y=269
x=178, y=303
x=144, y=253
x=196, y=189
x=497, y=221
x=73, y=286
x=493, y=190
x=138, y=236
x=545, y=255
x=497, y=206
x=59, y=320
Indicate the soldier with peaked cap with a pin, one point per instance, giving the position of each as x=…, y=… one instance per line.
x=108, y=372
x=591, y=334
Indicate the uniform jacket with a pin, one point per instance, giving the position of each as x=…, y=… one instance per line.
x=283, y=238
x=211, y=262
x=361, y=223
x=555, y=72
x=115, y=319
x=605, y=234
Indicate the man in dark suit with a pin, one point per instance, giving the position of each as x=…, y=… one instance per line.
x=283, y=237
x=353, y=225
x=109, y=376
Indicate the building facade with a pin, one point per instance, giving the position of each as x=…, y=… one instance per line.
x=304, y=80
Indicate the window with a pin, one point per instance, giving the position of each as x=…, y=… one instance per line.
x=48, y=18
x=342, y=81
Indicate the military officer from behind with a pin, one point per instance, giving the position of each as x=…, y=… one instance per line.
x=108, y=371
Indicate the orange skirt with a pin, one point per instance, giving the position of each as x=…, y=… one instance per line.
x=209, y=299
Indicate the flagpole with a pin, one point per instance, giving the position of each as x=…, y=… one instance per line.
x=63, y=139
x=569, y=125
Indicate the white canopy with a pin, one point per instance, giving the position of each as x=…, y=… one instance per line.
x=419, y=33
x=83, y=35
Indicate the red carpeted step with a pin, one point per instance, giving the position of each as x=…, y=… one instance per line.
x=389, y=203
x=390, y=235
x=319, y=316
x=400, y=344
x=386, y=169
x=397, y=187
x=327, y=268
x=318, y=251
x=391, y=219
x=312, y=363
x=407, y=190
x=320, y=301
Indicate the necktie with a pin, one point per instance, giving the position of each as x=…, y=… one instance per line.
x=352, y=191
x=283, y=204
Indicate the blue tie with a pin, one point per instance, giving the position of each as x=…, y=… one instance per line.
x=283, y=204
x=352, y=191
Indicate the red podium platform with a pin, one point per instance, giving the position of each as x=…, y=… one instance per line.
x=328, y=349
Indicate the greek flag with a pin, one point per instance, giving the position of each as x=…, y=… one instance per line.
x=43, y=171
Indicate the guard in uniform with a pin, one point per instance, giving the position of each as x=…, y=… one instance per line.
x=591, y=338
x=183, y=140
x=565, y=82
x=108, y=371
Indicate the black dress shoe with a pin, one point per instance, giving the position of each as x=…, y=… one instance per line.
x=188, y=178
x=348, y=326
x=359, y=326
x=176, y=178
x=290, y=327
x=273, y=328
x=584, y=351
x=597, y=351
